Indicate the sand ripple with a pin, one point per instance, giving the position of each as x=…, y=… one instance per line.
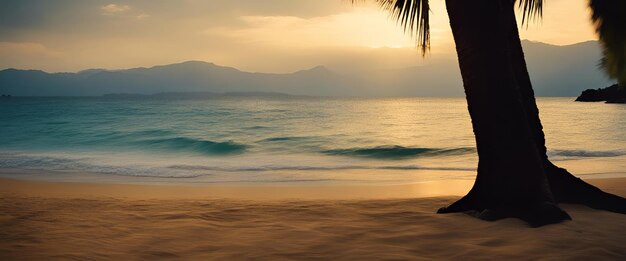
x=108, y=228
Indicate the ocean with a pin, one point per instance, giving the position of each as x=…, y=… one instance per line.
x=269, y=140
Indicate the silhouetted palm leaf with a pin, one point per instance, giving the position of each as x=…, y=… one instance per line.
x=531, y=9
x=413, y=15
x=609, y=18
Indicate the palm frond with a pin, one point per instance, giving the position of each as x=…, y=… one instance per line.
x=609, y=19
x=531, y=10
x=413, y=16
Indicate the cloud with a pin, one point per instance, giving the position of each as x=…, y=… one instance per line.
x=114, y=8
x=365, y=27
x=255, y=35
x=142, y=16
x=30, y=55
x=26, y=48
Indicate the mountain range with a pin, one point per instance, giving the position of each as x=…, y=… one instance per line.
x=555, y=71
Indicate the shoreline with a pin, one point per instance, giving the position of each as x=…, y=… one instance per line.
x=273, y=192
x=263, y=191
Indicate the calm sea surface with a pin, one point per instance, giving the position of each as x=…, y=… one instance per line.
x=281, y=139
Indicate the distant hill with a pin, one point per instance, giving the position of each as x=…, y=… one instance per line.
x=192, y=76
x=555, y=71
x=564, y=70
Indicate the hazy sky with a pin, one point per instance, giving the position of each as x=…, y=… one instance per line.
x=252, y=35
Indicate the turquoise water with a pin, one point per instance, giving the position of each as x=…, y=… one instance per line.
x=281, y=139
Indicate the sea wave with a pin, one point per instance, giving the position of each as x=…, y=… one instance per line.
x=396, y=152
x=164, y=140
x=116, y=137
x=185, y=144
x=86, y=164
x=94, y=164
x=274, y=139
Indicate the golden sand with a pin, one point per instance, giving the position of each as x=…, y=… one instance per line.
x=40, y=220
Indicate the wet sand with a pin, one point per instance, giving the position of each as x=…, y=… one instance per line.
x=44, y=220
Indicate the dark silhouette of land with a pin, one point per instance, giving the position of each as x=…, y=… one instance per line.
x=611, y=94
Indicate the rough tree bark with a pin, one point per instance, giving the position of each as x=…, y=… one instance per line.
x=505, y=117
x=511, y=179
x=565, y=187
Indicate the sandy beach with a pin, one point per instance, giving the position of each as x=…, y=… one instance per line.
x=45, y=220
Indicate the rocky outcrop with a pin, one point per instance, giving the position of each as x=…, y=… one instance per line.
x=611, y=94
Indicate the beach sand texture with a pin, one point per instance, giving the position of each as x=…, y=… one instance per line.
x=38, y=221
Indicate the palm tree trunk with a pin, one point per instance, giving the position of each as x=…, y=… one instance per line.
x=565, y=187
x=511, y=180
